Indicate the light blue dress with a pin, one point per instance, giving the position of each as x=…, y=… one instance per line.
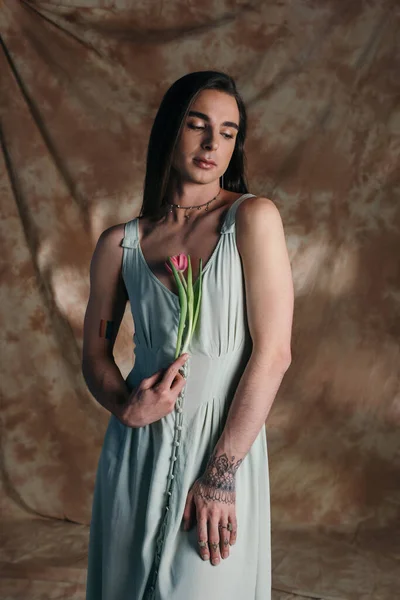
x=138, y=549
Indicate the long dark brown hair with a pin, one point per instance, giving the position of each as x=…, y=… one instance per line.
x=165, y=133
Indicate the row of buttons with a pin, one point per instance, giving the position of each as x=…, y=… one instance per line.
x=171, y=476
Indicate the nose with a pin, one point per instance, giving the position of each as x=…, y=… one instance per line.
x=210, y=141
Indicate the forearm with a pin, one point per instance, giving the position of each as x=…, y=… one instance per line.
x=250, y=407
x=105, y=383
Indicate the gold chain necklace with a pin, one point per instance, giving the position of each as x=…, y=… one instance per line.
x=187, y=217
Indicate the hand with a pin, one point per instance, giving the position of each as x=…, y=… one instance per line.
x=212, y=499
x=154, y=397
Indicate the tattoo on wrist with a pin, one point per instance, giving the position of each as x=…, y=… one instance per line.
x=106, y=329
x=218, y=482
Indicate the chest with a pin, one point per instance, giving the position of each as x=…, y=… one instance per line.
x=155, y=245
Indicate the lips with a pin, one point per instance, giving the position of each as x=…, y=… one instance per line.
x=204, y=162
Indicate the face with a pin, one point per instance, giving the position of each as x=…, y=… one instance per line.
x=209, y=132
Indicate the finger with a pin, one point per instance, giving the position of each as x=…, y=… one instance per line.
x=172, y=370
x=187, y=511
x=233, y=521
x=224, y=537
x=213, y=541
x=148, y=382
x=192, y=516
x=178, y=383
x=202, y=537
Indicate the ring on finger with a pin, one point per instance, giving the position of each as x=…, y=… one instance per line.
x=214, y=546
x=229, y=527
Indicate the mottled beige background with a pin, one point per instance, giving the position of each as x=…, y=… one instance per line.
x=80, y=84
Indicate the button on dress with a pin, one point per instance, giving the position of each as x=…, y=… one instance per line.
x=138, y=549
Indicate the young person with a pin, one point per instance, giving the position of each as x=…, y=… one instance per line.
x=181, y=507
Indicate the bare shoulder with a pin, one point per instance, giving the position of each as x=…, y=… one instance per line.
x=256, y=206
x=112, y=236
x=108, y=250
x=256, y=217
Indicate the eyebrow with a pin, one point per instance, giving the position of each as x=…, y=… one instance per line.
x=195, y=113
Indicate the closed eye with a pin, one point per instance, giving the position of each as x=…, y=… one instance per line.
x=226, y=135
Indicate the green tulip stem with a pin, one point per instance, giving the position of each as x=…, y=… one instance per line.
x=197, y=297
x=190, y=306
x=181, y=275
x=183, y=301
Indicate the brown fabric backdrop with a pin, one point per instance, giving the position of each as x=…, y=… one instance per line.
x=80, y=84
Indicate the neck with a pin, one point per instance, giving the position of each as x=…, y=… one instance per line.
x=192, y=194
x=186, y=207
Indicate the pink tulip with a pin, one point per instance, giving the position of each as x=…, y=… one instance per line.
x=189, y=297
x=180, y=263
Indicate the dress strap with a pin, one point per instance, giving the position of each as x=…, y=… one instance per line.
x=229, y=221
x=131, y=238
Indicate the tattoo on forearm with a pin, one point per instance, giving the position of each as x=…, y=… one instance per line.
x=218, y=481
x=106, y=329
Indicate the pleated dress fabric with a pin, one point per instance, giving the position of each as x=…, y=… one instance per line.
x=138, y=549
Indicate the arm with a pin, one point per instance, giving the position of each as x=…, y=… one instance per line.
x=107, y=302
x=269, y=299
